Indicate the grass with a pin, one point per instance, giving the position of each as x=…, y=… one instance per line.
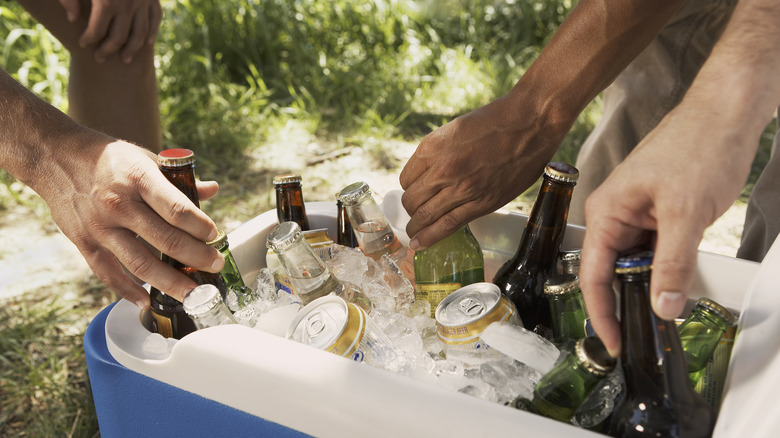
x=257, y=88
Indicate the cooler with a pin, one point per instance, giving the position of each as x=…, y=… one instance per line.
x=237, y=381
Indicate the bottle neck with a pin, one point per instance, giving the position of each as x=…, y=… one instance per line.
x=305, y=269
x=290, y=206
x=183, y=178
x=546, y=225
x=373, y=233
x=230, y=271
x=217, y=315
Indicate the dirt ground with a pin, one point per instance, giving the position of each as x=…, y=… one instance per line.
x=36, y=256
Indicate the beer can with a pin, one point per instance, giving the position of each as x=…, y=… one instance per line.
x=331, y=324
x=464, y=314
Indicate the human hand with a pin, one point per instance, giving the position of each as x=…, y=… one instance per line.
x=472, y=166
x=682, y=176
x=117, y=26
x=105, y=195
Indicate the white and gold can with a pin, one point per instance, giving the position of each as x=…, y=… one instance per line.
x=464, y=314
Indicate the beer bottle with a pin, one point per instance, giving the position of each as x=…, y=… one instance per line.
x=289, y=200
x=310, y=278
x=700, y=333
x=372, y=230
x=563, y=389
x=168, y=315
x=567, y=309
x=205, y=306
x=230, y=273
x=345, y=235
x=659, y=400
x=522, y=277
x=448, y=265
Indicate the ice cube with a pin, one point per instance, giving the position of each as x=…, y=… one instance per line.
x=522, y=345
x=155, y=346
x=277, y=320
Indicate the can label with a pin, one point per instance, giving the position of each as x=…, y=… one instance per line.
x=435, y=293
x=463, y=315
x=162, y=325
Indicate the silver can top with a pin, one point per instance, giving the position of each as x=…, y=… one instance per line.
x=320, y=323
x=467, y=304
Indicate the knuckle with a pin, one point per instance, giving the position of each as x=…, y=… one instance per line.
x=177, y=211
x=450, y=223
x=172, y=242
x=141, y=266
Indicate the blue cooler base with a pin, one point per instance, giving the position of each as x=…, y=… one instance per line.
x=129, y=404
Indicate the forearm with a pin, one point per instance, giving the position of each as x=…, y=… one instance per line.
x=33, y=135
x=597, y=40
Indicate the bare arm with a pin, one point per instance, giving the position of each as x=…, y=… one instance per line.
x=484, y=159
x=686, y=172
x=103, y=193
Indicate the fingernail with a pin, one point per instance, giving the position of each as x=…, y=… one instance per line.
x=414, y=244
x=669, y=305
x=213, y=235
x=142, y=304
x=218, y=264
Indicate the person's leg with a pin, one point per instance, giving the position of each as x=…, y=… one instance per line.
x=112, y=97
x=646, y=90
x=762, y=219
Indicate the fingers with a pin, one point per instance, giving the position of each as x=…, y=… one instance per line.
x=155, y=17
x=122, y=28
x=72, y=9
x=674, y=265
x=207, y=189
x=137, y=36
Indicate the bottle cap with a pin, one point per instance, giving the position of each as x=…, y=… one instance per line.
x=283, y=235
x=571, y=255
x=201, y=299
x=176, y=157
x=351, y=194
x=593, y=356
x=561, y=284
x=562, y=172
x=637, y=262
x=288, y=178
x=220, y=241
x=719, y=310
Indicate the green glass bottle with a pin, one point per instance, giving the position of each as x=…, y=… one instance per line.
x=567, y=309
x=448, y=265
x=230, y=273
x=522, y=277
x=562, y=390
x=701, y=332
x=659, y=401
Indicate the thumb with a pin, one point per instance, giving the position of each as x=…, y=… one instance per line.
x=72, y=8
x=674, y=266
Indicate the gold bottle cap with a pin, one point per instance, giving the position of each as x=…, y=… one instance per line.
x=562, y=172
x=593, y=356
x=352, y=193
x=561, y=284
x=175, y=157
x=220, y=241
x=717, y=309
x=283, y=235
x=287, y=178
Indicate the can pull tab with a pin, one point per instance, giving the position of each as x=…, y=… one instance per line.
x=472, y=305
x=314, y=325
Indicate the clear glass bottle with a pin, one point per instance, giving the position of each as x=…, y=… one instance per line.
x=563, y=389
x=310, y=278
x=659, y=400
x=373, y=232
x=701, y=332
x=567, y=309
x=289, y=200
x=205, y=306
x=522, y=277
x=448, y=265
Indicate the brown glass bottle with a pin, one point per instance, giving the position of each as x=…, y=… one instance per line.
x=168, y=315
x=659, y=400
x=522, y=277
x=289, y=200
x=345, y=235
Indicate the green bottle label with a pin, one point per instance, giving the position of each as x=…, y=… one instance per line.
x=435, y=293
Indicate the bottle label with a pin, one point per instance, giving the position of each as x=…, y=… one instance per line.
x=162, y=325
x=435, y=293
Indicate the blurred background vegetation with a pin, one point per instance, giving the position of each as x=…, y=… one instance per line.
x=237, y=80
